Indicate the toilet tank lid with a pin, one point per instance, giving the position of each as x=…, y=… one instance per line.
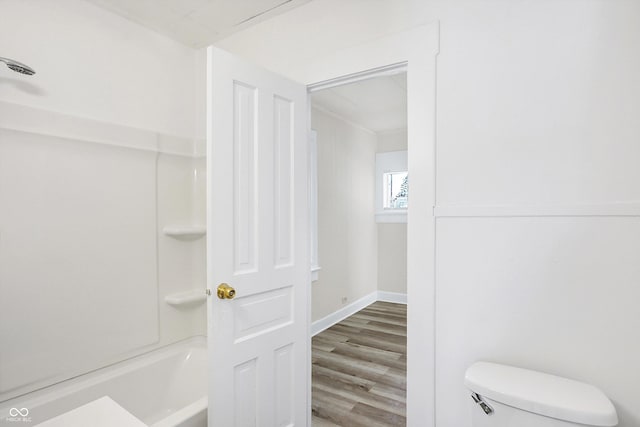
x=541, y=393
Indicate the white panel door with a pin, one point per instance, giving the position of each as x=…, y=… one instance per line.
x=257, y=242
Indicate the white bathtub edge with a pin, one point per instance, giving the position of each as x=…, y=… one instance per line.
x=188, y=412
x=69, y=387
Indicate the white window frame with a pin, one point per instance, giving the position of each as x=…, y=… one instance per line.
x=389, y=162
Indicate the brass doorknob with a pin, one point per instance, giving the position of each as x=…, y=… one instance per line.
x=225, y=291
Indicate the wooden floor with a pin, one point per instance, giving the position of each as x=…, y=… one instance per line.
x=360, y=368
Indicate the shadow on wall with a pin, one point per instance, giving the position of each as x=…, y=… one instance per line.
x=22, y=86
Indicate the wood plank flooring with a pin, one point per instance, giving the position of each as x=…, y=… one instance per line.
x=359, y=369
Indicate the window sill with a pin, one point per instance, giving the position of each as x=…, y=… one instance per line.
x=396, y=216
x=314, y=273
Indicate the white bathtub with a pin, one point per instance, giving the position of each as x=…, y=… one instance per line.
x=163, y=388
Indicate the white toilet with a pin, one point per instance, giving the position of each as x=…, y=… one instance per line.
x=505, y=396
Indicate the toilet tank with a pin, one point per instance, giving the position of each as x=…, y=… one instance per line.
x=506, y=396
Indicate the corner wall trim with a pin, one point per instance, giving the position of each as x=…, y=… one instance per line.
x=351, y=309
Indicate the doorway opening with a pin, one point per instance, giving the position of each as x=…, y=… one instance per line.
x=360, y=196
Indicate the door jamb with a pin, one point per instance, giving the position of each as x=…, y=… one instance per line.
x=420, y=275
x=385, y=70
x=419, y=46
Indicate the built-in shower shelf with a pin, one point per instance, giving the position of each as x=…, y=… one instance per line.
x=185, y=231
x=192, y=297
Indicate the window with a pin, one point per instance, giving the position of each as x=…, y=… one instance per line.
x=392, y=187
x=396, y=190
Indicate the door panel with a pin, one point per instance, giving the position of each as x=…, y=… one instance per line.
x=283, y=181
x=258, y=243
x=245, y=177
x=263, y=312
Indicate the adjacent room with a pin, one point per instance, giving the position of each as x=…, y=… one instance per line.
x=319, y=213
x=359, y=290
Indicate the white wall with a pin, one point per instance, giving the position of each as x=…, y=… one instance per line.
x=324, y=33
x=89, y=176
x=537, y=106
x=347, y=238
x=392, y=257
x=552, y=88
x=94, y=64
x=392, y=140
x=392, y=237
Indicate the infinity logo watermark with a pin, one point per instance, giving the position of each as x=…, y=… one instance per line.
x=18, y=415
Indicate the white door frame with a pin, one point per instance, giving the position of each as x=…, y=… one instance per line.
x=386, y=70
x=415, y=49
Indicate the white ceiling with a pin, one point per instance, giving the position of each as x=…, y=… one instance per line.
x=197, y=23
x=378, y=104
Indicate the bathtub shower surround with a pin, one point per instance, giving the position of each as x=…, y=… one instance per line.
x=97, y=157
x=85, y=266
x=163, y=388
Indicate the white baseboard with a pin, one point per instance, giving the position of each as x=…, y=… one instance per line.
x=337, y=316
x=396, y=297
x=351, y=309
